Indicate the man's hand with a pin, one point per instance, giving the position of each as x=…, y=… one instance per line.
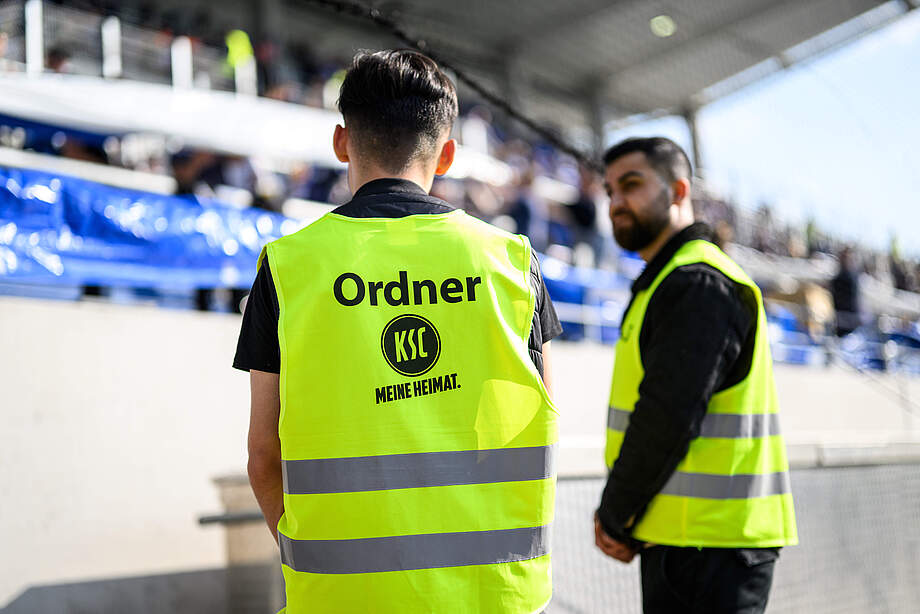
x=610, y=546
x=264, y=466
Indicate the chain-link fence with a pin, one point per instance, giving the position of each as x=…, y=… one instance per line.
x=859, y=529
x=859, y=551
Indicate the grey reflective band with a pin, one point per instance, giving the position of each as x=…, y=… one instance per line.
x=618, y=419
x=733, y=426
x=405, y=552
x=739, y=425
x=738, y=486
x=392, y=471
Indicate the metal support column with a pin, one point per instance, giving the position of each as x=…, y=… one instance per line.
x=598, y=121
x=35, y=37
x=182, y=68
x=111, y=48
x=690, y=117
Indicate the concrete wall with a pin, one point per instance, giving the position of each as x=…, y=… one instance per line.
x=114, y=420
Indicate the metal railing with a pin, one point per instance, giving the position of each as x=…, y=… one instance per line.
x=105, y=46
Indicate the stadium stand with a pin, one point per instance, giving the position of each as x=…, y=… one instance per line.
x=233, y=179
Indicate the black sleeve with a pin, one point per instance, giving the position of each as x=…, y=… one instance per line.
x=258, y=346
x=696, y=328
x=544, y=312
x=545, y=325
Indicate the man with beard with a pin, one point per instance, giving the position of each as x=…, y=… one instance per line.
x=699, y=480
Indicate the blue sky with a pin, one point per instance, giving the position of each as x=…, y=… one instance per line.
x=836, y=139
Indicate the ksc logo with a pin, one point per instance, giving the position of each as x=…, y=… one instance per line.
x=411, y=344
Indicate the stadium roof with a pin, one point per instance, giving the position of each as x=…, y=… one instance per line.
x=591, y=61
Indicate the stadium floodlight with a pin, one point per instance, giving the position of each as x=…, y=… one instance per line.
x=662, y=26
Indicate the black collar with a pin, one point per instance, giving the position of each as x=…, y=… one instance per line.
x=693, y=232
x=392, y=198
x=391, y=185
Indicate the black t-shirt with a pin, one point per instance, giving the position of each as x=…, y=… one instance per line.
x=258, y=347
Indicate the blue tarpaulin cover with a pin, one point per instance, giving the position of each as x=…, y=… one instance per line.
x=56, y=229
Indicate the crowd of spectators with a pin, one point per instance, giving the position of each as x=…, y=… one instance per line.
x=764, y=231
x=573, y=227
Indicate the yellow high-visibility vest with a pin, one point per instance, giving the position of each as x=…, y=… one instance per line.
x=732, y=489
x=417, y=437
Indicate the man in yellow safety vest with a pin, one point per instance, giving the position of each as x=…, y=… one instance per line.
x=699, y=480
x=402, y=435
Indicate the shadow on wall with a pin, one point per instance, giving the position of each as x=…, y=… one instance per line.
x=202, y=592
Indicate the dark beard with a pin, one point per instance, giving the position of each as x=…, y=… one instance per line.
x=646, y=230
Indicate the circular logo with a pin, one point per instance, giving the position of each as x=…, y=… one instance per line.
x=411, y=344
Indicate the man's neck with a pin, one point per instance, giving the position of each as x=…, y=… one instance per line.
x=418, y=176
x=651, y=250
x=648, y=252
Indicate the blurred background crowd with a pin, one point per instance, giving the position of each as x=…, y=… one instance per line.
x=559, y=204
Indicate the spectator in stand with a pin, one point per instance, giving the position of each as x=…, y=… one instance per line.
x=765, y=233
x=6, y=65
x=899, y=275
x=530, y=212
x=845, y=293
x=914, y=269
x=234, y=171
x=58, y=60
x=897, y=266
x=723, y=234
x=277, y=73
x=188, y=168
x=77, y=149
x=583, y=213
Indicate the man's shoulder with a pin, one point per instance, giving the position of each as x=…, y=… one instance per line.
x=695, y=273
x=485, y=228
x=701, y=283
x=303, y=232
x=702, y=279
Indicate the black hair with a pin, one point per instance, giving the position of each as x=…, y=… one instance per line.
x=664, y=155
x=397, y=105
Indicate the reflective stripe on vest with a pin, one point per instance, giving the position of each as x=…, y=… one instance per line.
x=408, y=552
x=403, y=493
x=732, y=487
x=421, y=470
x=733, y=426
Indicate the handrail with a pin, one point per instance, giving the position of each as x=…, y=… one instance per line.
x=243, y=517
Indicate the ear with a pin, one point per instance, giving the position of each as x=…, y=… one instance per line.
x=446, y=158
x=681, y=189
x=340, y=143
